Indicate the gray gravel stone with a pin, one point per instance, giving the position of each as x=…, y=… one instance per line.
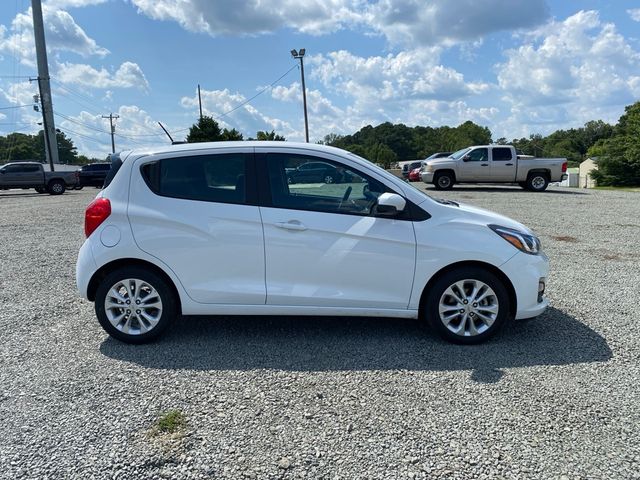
x=556, y=397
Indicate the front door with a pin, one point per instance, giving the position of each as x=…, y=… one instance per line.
x=475, y=166
x=197, y=214
x=323, y=245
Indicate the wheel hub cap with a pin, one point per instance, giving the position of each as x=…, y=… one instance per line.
x=468, y=307
x=133, y=306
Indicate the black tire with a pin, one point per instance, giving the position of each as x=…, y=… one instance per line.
x=437, y=292
x=537, y=182
x=56, y=187
x=41, y=190
x=165, y=292
x=443, y=180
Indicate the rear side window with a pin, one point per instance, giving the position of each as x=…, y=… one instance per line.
x=501, y=154
x=209, y=178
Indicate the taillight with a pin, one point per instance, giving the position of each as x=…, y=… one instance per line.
x=97, y=212
x=564, y=167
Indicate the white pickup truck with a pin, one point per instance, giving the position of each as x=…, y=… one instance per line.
x=493, y=164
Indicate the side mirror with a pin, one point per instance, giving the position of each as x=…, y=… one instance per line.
x=390, y=204
x=466, y=158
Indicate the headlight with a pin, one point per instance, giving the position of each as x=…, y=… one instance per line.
x=522, y=241
x=428, y=168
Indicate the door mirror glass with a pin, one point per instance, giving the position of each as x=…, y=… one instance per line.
x=466, y=158
x=390, y=204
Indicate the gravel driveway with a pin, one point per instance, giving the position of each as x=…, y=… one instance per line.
x=556, y=397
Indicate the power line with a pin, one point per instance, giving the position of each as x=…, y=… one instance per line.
x=68, y=130
x=77, y=122
x=17, y=106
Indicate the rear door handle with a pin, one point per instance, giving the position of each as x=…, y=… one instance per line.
x=509, y=164
x=291, y=225
x=484, y=164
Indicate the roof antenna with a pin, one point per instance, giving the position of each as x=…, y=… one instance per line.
x=173, y=142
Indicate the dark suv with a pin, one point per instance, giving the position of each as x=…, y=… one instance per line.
x=93, y=175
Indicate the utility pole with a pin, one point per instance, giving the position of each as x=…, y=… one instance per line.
x=48, y=125
x=300, y=54
x=200, y=102
x=111, y=117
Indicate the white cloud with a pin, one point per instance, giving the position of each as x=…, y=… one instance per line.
x=128, y=75
x=72, y=3
x=61, y=31
x=400, y=21
x=247, y=119
x=634, y=13
x=407, y=75
x=569, y=72
x=252, y=16
x=445, y=22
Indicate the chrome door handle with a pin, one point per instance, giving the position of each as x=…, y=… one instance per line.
x=291, y=225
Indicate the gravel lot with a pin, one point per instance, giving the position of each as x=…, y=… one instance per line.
x=557, y=397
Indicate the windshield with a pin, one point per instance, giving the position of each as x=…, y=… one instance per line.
x=459, y=153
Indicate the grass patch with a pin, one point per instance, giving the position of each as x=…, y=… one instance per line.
x=565, y=238
x=170, y=421
x=619, y=189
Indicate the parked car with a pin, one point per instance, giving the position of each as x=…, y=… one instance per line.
x=315, y=172
x=408, y=167
x=215, y=228
x=414, y=175
x=28, y=175
x=493, y=164
x=93, y=174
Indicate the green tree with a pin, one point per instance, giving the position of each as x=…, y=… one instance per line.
x=231, y=135
x=206, y=130
x=619, y=155
x=270, y=136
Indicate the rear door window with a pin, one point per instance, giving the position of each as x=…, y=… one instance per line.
x=501, y=154
x=218, y=178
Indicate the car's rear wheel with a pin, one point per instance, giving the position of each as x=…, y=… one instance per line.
x=134, y=305
x=56, y=187
x=41, y=190
x=537, y=182
x=443, y=181
x=328, y=178
x=467, y=305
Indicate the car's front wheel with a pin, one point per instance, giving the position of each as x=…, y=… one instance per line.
x=443, y=181
x=134, y=305
x=467, y=305
x=56, y=187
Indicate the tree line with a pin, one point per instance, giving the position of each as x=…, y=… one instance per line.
x=616, y=147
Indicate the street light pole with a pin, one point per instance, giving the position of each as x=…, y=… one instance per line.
x=300, y=55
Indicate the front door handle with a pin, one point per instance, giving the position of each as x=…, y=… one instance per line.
x=291, y=225
x=509, y=164
x=484, y=164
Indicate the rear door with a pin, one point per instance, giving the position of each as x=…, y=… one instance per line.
x=323, y=245
x=503, y=165
x=198, y=214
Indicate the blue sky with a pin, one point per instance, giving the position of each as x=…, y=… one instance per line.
x=516, y=66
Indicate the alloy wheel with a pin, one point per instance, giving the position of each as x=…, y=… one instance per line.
x=468, y=307
x=133, y=306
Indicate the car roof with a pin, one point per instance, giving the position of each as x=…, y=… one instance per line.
x=194, y=147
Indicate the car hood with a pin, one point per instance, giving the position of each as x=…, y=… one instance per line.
x=463, y=212
x=437, y=161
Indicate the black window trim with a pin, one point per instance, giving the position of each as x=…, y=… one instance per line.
x=251, y=191
x=412, y=212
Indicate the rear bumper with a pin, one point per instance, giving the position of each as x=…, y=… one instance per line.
x=525, y=272
x=85, y=268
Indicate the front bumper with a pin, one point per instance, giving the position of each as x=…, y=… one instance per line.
x=525, y=272
x=426, y=177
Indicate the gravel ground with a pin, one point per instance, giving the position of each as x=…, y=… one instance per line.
x=555, y=397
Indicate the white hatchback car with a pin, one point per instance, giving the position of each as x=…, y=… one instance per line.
x=220, y=228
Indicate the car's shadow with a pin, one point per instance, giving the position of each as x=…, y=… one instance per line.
x=336, y=343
